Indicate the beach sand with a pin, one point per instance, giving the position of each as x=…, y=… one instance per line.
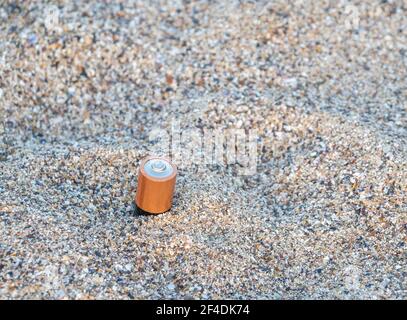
x=324, y=83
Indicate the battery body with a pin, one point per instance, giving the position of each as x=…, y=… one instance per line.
x=156, y=185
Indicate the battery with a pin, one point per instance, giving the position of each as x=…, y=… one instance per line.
x=156, y=184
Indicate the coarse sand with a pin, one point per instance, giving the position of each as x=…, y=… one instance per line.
x=324, y=83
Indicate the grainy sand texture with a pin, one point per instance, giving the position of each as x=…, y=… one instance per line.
x=324, y=83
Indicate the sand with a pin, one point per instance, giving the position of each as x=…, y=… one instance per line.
x=324, y=84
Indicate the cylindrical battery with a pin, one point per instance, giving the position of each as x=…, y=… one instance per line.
x=156, y=184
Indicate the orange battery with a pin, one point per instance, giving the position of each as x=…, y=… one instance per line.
x=156, y=184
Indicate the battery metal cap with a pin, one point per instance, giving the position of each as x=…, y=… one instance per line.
x=156, y=184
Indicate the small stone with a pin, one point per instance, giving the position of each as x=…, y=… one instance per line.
x=291, y=82
x=32, y=39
